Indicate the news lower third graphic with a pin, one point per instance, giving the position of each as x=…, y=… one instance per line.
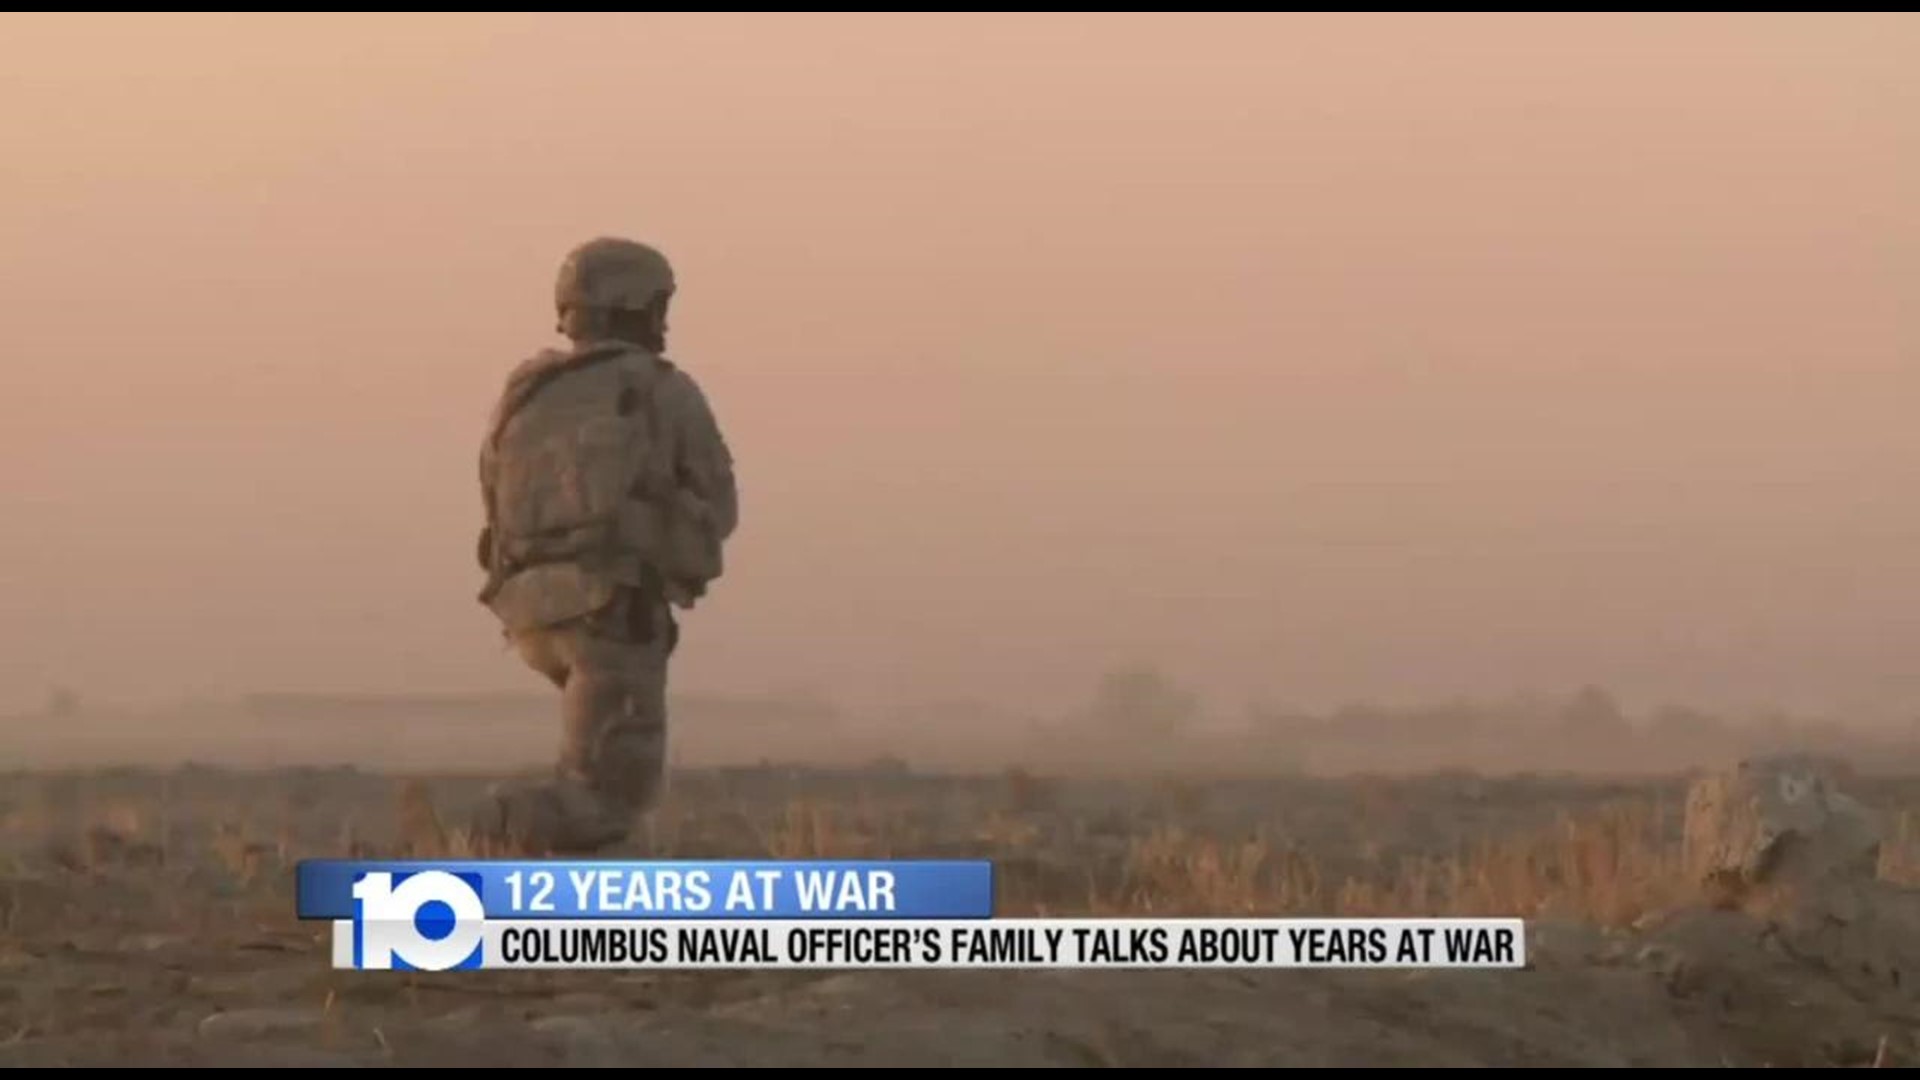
x=746, y=915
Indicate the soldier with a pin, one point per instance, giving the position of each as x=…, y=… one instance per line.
x=609, y=494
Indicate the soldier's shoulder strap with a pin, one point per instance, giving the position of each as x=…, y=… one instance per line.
x=541, y=370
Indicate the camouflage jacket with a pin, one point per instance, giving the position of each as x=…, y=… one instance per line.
x=695, y=467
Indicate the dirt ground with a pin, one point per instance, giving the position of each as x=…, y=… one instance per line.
x=146, y=917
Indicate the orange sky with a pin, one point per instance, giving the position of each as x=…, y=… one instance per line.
x=1315, y=358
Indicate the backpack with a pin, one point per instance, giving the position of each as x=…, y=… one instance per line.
x=583, y=493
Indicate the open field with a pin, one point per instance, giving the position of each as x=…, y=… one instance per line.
x=146, y=916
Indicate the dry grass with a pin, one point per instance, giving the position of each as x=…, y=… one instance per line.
x=1900, y=853
x=1607, y=864
x=1611, y=867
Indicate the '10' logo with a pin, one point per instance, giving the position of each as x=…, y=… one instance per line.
x=427, y=920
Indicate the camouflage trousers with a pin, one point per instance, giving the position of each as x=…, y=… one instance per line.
x=611, y=670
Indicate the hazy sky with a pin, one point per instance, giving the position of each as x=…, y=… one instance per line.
x=1314, y=358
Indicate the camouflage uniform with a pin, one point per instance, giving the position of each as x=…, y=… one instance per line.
x=593, y=611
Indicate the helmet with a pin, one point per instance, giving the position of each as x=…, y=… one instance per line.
x=611, y=274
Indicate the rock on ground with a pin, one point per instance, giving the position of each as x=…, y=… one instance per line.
x=1779, y=828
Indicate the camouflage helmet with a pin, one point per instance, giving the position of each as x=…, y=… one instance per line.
x=610, y=274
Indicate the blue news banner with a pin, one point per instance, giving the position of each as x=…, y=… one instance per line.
x=566, y=914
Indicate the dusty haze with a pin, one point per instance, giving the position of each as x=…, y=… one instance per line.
x=1311, y=358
